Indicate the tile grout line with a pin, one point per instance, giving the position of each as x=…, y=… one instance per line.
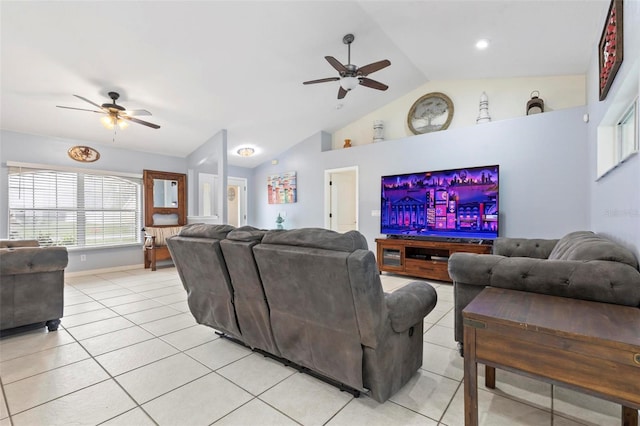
x=444, y=413
x=110, y=376
x=6, y=403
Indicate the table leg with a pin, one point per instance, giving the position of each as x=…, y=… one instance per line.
x=629, y=416
x=470, y=377
x=490, y=377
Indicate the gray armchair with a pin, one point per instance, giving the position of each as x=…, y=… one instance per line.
x=581, y=265
x=31, y=284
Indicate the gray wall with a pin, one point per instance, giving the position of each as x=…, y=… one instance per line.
x=544, y=172
x=304, y=158
x=52, y=151
x=615, y=199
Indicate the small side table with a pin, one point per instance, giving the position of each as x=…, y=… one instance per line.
x=586, y=346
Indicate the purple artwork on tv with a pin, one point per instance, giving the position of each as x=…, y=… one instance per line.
x=458, y=203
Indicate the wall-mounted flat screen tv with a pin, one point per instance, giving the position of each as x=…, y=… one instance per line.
x=457, y=203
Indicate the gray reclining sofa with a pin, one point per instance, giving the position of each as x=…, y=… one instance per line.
x=312, y=297
x=31, y=284
x=581, y=265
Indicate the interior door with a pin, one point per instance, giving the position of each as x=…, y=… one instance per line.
x=343, y=201
x=236, y=201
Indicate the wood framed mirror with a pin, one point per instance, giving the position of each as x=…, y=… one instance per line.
x=165, y=199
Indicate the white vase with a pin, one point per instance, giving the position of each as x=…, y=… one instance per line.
x=378, y=131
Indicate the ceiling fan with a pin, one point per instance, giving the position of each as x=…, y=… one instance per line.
x=351, y=75
x=114, y=113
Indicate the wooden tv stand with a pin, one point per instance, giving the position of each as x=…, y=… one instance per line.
x=421, y=258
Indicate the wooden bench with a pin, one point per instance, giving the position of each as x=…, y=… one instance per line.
x=155, y=246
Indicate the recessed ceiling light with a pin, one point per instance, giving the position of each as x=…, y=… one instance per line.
x=246, y=152
x=482, y=44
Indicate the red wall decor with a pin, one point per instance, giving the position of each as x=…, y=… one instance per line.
x=610, y=48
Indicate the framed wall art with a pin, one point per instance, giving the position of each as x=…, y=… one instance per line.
x=610, y=49
x=282, y=188
x=431, y=113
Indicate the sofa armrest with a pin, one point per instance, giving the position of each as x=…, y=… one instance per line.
x=524, y=247
x=26, y=260
x=409, y=305
x=472, y=268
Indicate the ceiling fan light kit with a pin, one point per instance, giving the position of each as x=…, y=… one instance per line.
x=349, y=83
x=351, y=75
x=115, y=114
x=110, y=121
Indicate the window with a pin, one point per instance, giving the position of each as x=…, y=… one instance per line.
x=627, y=129
x=74, y=208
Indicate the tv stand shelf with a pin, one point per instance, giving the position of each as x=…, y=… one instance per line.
x=421, y=258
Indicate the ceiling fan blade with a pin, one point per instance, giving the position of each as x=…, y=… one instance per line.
x=342, y=93
x=81, y=109
x=322, y=80
x=336, y=64
x=136, y=112
x=371, y=68
x=87, y=100
x=144, y=123
x=364, y=81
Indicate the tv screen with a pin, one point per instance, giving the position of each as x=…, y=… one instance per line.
x=456, y=203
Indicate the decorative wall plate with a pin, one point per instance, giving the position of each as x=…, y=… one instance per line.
x=84, y=154
x=231, y=194
x=430, y=113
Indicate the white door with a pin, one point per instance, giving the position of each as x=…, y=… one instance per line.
x=343, y=200
x=236, y=201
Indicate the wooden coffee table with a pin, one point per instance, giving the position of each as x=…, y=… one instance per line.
x=587, y=346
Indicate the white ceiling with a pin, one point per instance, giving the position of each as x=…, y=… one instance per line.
x=203, y=66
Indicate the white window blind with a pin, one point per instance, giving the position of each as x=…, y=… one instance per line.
x=73, y=208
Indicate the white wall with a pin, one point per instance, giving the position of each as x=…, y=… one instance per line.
x=53, y=151
x=209, y=158
x=507, y=99
x=615, y=199
x=544, y=190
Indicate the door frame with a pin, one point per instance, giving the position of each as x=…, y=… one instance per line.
x=242, y=197
x=327, y=194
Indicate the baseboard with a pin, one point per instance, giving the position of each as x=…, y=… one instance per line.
x=103, y=270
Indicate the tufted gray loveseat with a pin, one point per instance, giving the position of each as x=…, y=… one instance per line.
x=581, y=265
x=309, y=296
x=31, y=284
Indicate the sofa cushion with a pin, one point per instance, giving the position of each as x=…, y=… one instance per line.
x=586, y=246
x=317, y=238
x=205, y=230
x=246, y=234
x=523, y=247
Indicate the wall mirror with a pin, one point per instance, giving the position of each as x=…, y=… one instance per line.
x=165, y=200
x=165, y=193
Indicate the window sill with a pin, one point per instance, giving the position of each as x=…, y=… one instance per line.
x=116, y=246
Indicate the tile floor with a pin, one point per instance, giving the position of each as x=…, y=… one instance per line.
x=129, y=353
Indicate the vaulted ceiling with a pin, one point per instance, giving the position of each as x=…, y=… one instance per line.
x=203, y=66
